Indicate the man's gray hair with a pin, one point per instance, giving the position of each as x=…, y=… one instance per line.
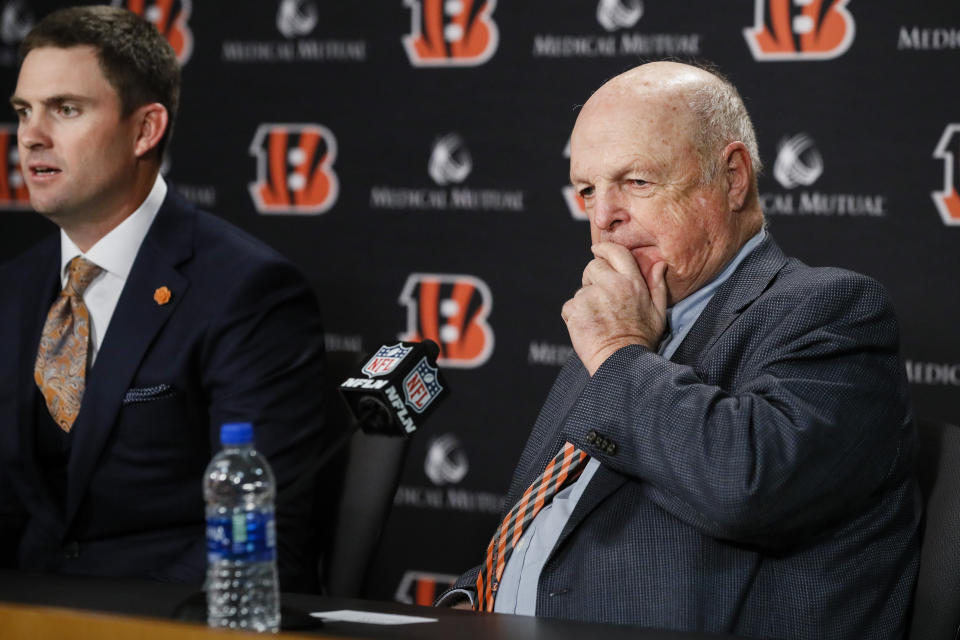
x=722, y=118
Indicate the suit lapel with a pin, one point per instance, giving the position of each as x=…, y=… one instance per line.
x=135, y=323
x=745, y=285
x=545, y=440
x=603, y=483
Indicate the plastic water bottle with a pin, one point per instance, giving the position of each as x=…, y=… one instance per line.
x=239, y=489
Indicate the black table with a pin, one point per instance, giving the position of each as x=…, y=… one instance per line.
x=134, y=597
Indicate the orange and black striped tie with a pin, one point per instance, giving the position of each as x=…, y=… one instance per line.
x=563, y=470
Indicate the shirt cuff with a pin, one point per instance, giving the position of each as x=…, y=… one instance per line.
x=454, y=597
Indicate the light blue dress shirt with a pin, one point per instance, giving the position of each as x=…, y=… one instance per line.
x=518, y=586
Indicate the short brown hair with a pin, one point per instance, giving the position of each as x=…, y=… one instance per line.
x=135, y=58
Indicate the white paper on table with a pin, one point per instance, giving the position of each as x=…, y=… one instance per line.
x=369, y=617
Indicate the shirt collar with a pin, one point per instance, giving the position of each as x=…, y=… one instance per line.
x=682, y=315
x=116, y=251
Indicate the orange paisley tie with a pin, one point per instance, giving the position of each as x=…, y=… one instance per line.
x=61, y=366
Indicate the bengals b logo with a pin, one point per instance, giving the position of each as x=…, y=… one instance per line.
x=576, y=205
x=170, y=19
x=445, y=33
x=948, y=200
x=13, y=190
x=452, y=311
x=423, y=587
x=294, y=168
x=800, y=29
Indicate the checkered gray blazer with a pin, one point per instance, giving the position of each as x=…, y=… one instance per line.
x=761, y=481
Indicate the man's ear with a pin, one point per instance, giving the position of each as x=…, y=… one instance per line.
x=739, y=173
x=152, y=120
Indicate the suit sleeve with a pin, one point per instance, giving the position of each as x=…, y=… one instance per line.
x=264, y=362
x=805, y=425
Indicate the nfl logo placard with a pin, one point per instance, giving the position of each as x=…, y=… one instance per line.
x=386, y=360
x=421, y=386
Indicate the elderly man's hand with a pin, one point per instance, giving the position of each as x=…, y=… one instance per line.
x=616, y=306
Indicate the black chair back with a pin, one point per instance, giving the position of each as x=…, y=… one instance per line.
x=370, y=466
x=936, y=603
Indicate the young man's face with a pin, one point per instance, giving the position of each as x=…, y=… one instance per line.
x=76, y=148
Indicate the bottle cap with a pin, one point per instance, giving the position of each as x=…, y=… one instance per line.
x=236, y=433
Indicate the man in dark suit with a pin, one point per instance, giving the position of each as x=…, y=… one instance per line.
x=181, y=322
x=740, y=436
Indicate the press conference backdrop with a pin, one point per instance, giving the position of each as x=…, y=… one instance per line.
x=411, y=157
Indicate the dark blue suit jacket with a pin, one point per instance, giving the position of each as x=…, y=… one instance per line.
x=760, y=483
x=240, y=339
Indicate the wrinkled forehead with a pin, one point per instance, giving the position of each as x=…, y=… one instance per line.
x=650, y=109
x=618, y=122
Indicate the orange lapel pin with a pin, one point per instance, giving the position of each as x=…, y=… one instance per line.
x=162, y=296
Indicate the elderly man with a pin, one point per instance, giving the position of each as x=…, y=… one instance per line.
x=138, y=329
x=731, y=448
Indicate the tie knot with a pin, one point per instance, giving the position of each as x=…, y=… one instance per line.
x=80, y=273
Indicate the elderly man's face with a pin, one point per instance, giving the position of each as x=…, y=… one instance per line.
x=633, y=162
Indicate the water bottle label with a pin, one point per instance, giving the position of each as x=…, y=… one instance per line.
x=250, y=536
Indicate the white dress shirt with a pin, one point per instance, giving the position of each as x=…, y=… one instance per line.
x=114, y=253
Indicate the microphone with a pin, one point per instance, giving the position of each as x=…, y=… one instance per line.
x=401, y=386
x=400, y=389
